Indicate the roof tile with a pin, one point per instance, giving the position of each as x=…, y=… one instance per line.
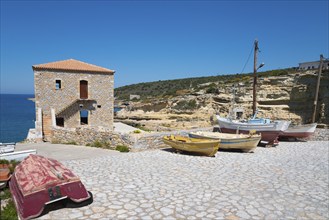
x=71, y=65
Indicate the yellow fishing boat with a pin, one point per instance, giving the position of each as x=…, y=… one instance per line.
x=201, y=146
x=244, y=142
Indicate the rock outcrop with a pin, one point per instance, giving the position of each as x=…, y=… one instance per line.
x=288, y=97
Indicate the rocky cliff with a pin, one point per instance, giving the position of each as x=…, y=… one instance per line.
x=288, y=97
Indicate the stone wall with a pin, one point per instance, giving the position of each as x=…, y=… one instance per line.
x=137, y=142
x=88, y=135
x=154, y=141
x=66, y=101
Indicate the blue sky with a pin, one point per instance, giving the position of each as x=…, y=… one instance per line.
x=158, y=40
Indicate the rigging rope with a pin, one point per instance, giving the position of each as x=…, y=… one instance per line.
x=247, y=59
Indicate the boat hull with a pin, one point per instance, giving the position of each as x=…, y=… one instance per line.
x=270, y=137
x=17, y=155
x=269, y=132
x=38, y=181
x=7, y=147
x=300, y=131
x=245, y=143
x=199, y=146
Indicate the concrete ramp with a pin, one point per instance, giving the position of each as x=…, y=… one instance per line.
x=122, y=128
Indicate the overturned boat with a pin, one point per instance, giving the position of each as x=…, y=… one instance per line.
x=205, y=147
x=244, y=142
x=38, y=181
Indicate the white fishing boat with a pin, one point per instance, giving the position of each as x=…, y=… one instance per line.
x=7, y=147
x=244, y=142
x=299, y=131
x=17, y=155
x=269, y=131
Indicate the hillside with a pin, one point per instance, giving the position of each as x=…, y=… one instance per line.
x=285, y=94
x=172, y=88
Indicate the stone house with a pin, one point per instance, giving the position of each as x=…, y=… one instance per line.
x=71, y=94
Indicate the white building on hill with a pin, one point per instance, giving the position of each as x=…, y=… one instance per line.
x=313, y=65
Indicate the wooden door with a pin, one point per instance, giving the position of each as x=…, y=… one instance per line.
x=46, y=127
x=83, y=89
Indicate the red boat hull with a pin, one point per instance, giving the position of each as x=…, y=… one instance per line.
x=32, y=189
x=271, y=137
x=299, y=131
x=296, y=134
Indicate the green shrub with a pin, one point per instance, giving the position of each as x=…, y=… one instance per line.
x=9, y=211
x=140, y=127
x=145, y=129
x=211, y=90
x=137, y=131
x=97, y=143
x=122, y=148
x=71, y=143
x=3, y=161
x=13, y=163
x=107, y=145
x=5, y=194
x=245, y=79
x=100, y=144
x=186, y=105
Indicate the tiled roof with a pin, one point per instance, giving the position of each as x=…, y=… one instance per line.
x=71, y=65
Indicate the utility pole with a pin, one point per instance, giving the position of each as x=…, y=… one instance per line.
x=317, y=89
x=254, y=100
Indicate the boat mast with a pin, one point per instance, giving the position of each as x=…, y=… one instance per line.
x=254, y=100
x=232, y=113
x=317, y=89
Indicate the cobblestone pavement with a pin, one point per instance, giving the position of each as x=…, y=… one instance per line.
x=290, y=181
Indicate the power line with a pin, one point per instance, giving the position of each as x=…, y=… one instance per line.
x=247, y=59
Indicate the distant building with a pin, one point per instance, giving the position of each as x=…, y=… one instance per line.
x=237, y=113
x=72, y=94
x=136, y=97
x=313, y=65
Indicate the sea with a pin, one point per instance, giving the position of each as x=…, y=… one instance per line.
x=17, y=116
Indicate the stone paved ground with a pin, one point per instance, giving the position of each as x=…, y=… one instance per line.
x=290, y=181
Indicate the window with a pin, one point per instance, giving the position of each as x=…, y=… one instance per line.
x=58, y=84
x=60, y=121
x=83, y=117
x=83, y=89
